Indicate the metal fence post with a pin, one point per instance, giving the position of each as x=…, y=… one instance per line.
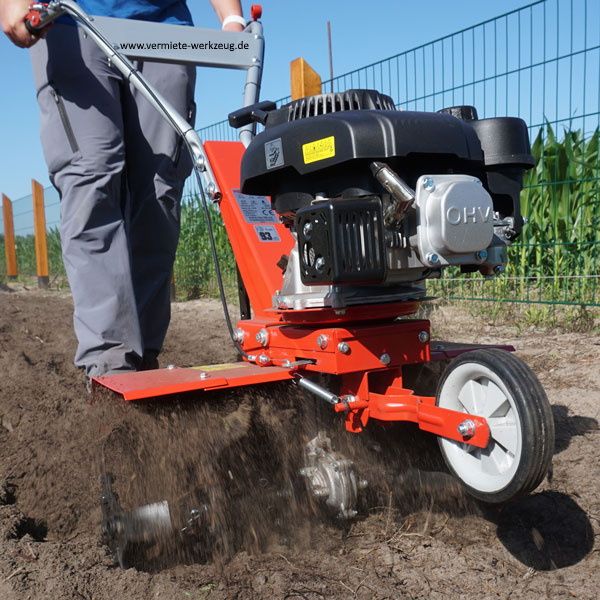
x=39, y=230
x=9, y=239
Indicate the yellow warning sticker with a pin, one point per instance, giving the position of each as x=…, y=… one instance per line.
x=318, y=150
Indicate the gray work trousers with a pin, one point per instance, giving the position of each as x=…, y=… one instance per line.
x=119, y=169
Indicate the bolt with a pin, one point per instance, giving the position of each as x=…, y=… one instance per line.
x=262, y=337
x=343, y=347
x=322, y=341
x=239, y=334
x=499, y=269
x=467, y=428
x=203, y=375
x=320, y=263
x=385, y=359
x=263, y=360
x=170, y=367
x=432, y=258
x=362, y=484
x=423, y=336
x=429, y=184
x=211, y=188
x=307, y=230
x=481, y=255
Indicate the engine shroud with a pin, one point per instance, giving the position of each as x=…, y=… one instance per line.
x=314, y=160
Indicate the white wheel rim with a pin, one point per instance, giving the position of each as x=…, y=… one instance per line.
x=474, y=389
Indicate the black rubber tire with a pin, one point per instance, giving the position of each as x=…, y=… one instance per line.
x=535, y=414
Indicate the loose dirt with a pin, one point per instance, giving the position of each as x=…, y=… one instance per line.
x=419, y=536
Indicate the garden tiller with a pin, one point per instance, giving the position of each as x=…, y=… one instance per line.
x=338, y=211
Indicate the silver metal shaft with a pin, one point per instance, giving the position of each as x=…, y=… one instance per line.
x=318, y=390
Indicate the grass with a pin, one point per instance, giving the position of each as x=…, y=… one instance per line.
x=557, y=260
x=194, y=270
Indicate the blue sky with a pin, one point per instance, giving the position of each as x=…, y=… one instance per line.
x=362, y=32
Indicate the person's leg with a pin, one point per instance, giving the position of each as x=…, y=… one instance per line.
x=157, y=165
x=82, y=136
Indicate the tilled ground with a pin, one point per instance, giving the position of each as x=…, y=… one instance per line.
x=420, y=537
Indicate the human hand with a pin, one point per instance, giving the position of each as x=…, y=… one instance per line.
x=12, y=20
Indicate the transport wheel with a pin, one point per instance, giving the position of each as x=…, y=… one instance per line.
x=497, y=385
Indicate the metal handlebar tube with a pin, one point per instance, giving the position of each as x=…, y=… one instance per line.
x=253, y=80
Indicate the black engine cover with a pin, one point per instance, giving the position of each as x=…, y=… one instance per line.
x=282, y=154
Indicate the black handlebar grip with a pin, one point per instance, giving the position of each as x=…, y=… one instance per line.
x=256, y=113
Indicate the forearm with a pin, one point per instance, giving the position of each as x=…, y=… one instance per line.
x=225, y=8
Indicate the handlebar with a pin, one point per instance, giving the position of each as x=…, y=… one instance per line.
x=41, y=15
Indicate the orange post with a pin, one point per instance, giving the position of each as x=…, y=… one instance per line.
x=39, y=230
x=305, y=81
x=9, y=238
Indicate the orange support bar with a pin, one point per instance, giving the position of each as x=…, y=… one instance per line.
x=305, y=81
x=39, y=230
x=9, y=238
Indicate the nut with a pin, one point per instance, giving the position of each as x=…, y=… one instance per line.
x=262, y=337
x=322, y=341
x=423, y=336
x=429, y=184
x=343, y=347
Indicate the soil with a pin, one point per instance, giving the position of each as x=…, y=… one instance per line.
x=418, y=535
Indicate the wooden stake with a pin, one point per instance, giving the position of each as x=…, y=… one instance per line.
x=10, y=250
x=305, y=81
x=39, y=231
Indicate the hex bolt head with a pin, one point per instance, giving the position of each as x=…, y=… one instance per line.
x=481, y=255
x=322, y=341
x=385, y=359
x=262, y=337
x=499, y=269
x=263, y=360
x=203, y=375
x=343, y=347
x=320, y=263
x=170, y=367
x=429, y=184
x=239, y=334
x=467, y=428
x=423, y=336
x=432, y=258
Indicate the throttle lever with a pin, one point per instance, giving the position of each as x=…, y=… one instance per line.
x=40, y=17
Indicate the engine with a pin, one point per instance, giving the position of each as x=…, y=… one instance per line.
x=379, y=199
